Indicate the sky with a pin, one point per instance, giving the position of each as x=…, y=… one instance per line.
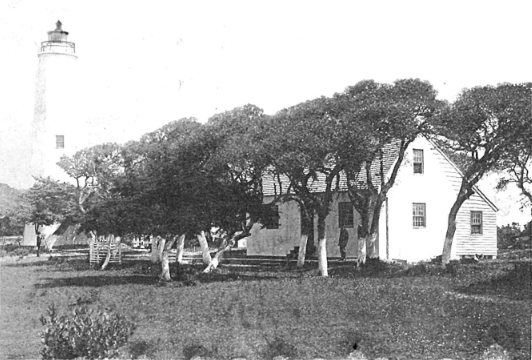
x=145, y=63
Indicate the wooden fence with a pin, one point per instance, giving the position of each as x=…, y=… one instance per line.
x=98, y=250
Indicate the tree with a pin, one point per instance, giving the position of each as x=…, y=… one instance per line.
x=379, y=121
x=13, y=208
x=302, y=147
x=94, y=171
x=237, y=161
x=518, y=160
x=50, y=203
x=483, y=123
x=161, y=186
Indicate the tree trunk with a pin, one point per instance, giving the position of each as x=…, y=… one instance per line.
x=39, y=245
x=155, y=256
x=108, y=256
x=302, y=251
x=371, y=242
x=465, y=192
x=322, y=247
x=37, y=239
x=361, y=251
x=449, y=234
x=307, y=228
x=161, y=246
x=215, y=261
x=180, y=248
x=206, y=255
x=226, y=245
x=165, y=264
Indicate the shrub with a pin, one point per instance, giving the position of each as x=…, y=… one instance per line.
x=21, y=251
x=278, y=347
x=84, y=332
x=196, y=350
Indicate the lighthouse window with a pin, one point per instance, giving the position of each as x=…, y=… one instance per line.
x=60, y=141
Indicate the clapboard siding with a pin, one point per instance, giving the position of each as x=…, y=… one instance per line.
x=466, y=243
x=471, y=244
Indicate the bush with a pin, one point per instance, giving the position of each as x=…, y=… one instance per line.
x=278, y=347
x=21, y=251
x=83, y=333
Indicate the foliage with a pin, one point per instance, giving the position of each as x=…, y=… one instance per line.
x=382, y=119
x=85, y=332
x=12, y=210
x=485, y=124
x=517, y=162
x=95, y=171
x=511, y=236
x=303, y=152
x=50, y=202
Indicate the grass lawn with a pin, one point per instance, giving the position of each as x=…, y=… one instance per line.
x=266, y=309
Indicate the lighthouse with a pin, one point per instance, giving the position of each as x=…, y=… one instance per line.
x=57, y=129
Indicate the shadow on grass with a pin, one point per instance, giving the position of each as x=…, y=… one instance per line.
x=515, y=284
x=96, y=281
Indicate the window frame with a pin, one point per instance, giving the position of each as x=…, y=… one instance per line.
x=420, y=163
x=417, y=216
x=60, y=141
x=343, y=207
x=474, y=225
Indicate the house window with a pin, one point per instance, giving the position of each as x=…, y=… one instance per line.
x=345, y=215
x=476, y=222
x=419, y=218
x=272, y=220
x=418, y=161
x=60, y=141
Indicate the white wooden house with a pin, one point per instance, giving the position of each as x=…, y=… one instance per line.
x=413, y=220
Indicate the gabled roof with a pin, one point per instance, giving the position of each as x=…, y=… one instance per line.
x=390, y=152
x=273, y=186
x=475, y=188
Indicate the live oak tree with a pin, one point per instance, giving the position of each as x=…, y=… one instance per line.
x=237, y=160
x=517, y=163
x=50, y=203
x=379, y=122
x=302, y=148
x=484, y=123
x=94, y=171
x=187, y=178
x=161, y=186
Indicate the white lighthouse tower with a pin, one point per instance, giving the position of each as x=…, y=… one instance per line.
x=57, y=130
x=57, y=127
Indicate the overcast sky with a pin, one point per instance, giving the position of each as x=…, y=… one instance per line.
x=146, y=63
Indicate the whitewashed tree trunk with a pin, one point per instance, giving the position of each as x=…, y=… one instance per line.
x=155, y=256
x=302, y=250
x=161, y=243
x=165, y=264
x=226, y=245
x=371, y=246
x=215, y=261
x=108, y=256
x=206, y=255
x=361, y=254
x=322, y=257
x=180, y=249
